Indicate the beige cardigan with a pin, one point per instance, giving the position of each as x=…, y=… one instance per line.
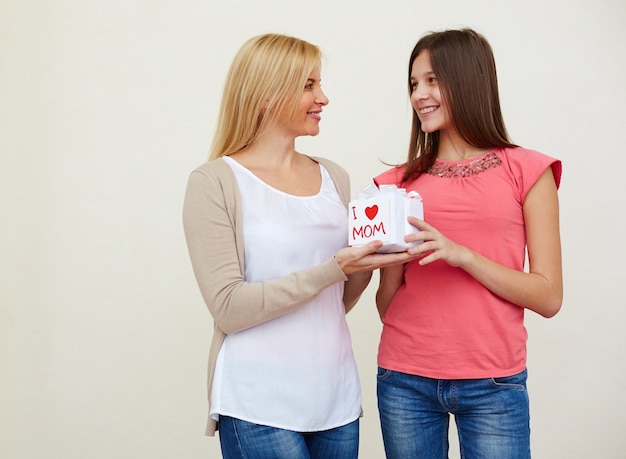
x=212, y=220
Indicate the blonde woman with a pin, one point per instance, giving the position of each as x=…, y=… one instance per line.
x=266, y=228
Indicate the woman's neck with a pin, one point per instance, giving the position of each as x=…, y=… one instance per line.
x=280, y=166
x=268, y=151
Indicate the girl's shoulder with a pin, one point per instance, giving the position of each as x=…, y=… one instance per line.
x=392, y=176
x=524, y=161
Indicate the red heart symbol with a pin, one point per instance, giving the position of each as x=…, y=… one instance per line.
x=371, y=211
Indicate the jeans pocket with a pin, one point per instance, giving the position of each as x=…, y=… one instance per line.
x=382, y=374
x=514, y=382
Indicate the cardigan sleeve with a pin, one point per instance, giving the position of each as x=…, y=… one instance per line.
x=212, y=222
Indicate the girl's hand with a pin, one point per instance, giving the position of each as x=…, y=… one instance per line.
x=436, y=246
x=541, y=288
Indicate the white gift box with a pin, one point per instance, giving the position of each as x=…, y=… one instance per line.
x=381, y=214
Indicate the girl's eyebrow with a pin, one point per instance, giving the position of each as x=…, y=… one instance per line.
x=429, y=73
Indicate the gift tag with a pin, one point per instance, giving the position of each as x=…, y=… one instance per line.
x=369, y=220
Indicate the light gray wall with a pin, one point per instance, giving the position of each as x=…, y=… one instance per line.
x=105, y=107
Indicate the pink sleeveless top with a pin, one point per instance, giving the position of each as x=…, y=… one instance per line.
x=442, y=323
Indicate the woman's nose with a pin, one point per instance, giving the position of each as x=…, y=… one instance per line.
x=321, y=98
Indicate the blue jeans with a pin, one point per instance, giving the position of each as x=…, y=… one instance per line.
x=491, y=415
x=244, y=440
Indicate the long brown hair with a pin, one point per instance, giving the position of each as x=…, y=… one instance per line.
x=465, y=68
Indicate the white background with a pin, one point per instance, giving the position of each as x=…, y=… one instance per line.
x=106, y=106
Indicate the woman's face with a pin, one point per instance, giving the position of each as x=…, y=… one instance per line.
x=426, y=96
x=305, y=120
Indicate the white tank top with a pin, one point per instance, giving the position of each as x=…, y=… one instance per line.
x=297, y=371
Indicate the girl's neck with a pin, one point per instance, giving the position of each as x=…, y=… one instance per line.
x=453, y=148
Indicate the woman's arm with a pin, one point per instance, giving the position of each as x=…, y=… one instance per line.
x=359, y=262
x=391, y=279
x=210, y=226
x=354, y=287
x=540, y=289
x=210, y=221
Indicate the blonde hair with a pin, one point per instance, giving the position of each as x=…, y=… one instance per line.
x=265, y=81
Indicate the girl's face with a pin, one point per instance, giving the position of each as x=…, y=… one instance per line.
x=305, y=120
x=426, y=96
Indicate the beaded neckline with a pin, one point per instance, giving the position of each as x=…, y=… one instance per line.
x=465, y=169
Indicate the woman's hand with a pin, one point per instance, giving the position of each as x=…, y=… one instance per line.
x=365, y=259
